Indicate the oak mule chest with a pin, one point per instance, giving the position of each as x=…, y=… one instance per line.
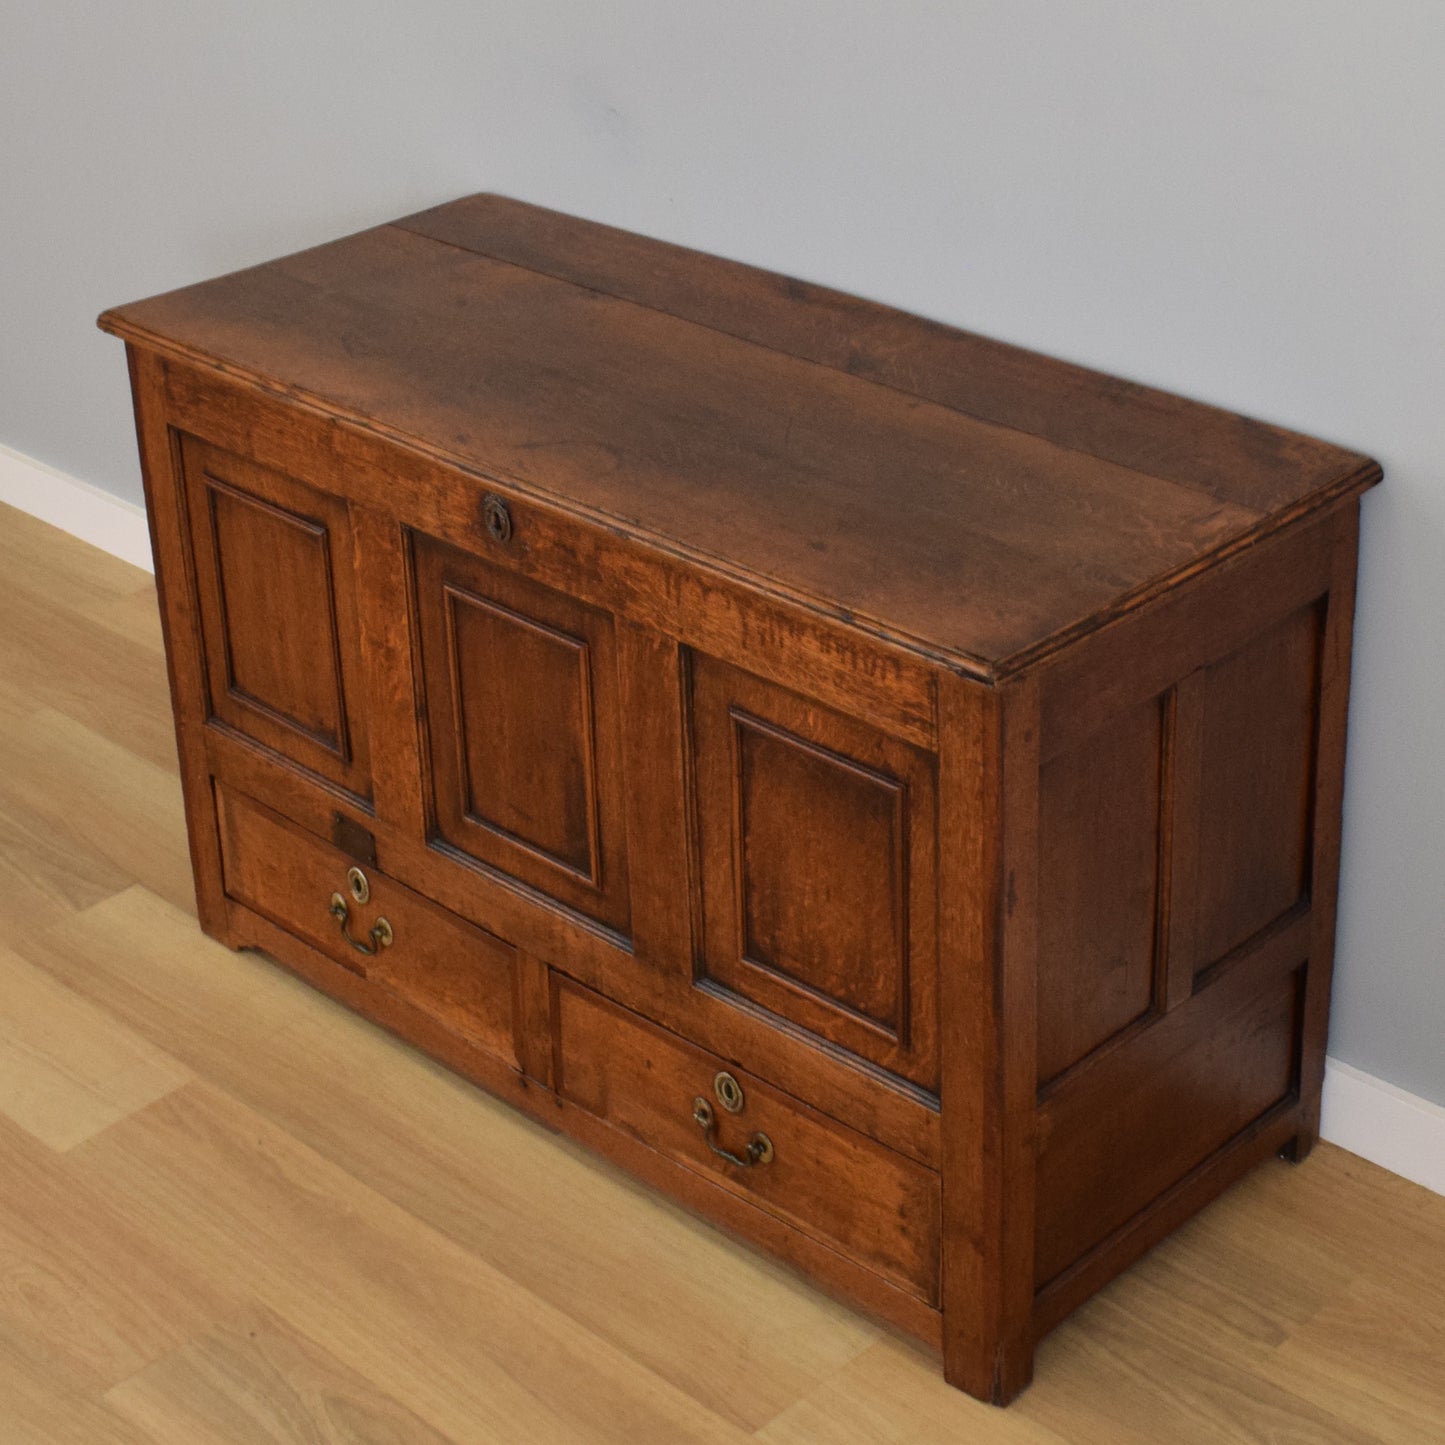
x=878, y=785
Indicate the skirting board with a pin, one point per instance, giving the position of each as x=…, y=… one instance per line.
x=1400, y=1132
x=95, y=516
x=1363, y=1114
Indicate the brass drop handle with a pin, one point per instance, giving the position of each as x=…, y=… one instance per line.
x=381, y=935
x=760, y=1147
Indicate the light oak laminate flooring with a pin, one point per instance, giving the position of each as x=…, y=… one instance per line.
x=232, y=1213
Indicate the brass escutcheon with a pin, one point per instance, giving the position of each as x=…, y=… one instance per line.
x=360, y=888
x=729, y=1092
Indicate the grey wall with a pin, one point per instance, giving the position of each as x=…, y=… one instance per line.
x=1240, y=201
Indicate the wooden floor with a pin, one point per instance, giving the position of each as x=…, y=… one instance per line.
x=232, y=1212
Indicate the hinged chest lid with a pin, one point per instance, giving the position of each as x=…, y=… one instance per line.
x=976, y=502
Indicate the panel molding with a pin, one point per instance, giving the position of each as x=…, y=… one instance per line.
x=894, y=1030
x=293, y=540
x=335, y=740
x=1364, y=1113
x=581, y=649
x=871, y=794
x=553, y=823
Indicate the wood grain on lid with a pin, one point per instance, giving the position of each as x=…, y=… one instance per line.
x=963, y=497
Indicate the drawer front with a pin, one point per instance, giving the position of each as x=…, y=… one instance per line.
x=462, y=977
x=877, y=1207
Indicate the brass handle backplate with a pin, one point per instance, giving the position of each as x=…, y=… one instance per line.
x=759, y=1148
x=380, y=934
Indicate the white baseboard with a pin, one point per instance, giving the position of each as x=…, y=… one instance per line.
x=1398, y=1131
x=95, y=516
x=1363, y=1114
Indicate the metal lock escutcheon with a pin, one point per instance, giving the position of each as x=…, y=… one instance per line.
x=497, y=518
x=729, y=1092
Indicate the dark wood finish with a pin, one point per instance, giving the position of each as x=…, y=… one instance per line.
x=712, y=672
x=384, y=616
x=1184, y=788
x=823, y=1178
x=1135, y=426
x=1200, y=622
x=534, y=1028
x=1138, y=1123
x=524, y=750
x=816, y=841
x=712, y=444
x=1327, y=803
x=278, y=613
x=1100, y=919
x=1092, y=1271
x=462, y=977
x=988, y=831
x=1256, y=784
x=735, y=621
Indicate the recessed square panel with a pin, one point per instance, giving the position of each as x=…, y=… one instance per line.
x=816, y=834
x=523, y=737
x=274, y=581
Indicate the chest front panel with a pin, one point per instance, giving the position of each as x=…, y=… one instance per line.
x=523, y=746
x=275, y=582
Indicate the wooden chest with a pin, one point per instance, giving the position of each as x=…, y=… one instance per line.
x=880, y=786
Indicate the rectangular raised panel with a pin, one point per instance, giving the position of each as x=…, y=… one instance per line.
x=849, y=862
x=523, y=732
x=1119, y=1134
x=817, y=846
x=545, y=798
x=274, y=576
x=1257, y=783
x=292, y=671
x=1100, y=825
x=823, y=1177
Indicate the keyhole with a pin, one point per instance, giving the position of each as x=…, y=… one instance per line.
x=497, y=518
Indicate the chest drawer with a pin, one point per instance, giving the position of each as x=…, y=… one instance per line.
x=782, y=1156
x=369, y=924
